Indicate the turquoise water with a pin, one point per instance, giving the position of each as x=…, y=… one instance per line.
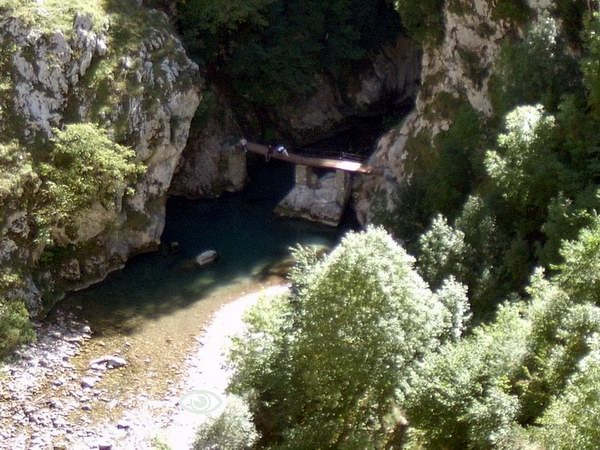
x=240, y=227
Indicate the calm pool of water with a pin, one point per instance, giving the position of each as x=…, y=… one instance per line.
x=240, y=227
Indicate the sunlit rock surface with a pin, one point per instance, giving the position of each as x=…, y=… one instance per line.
x=141, y=86
x=319, y=199
x=210, y=163
x=459, y=67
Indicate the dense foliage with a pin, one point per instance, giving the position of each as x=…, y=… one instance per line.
x=83, y=167
x=321, y=367
x=363, y=355
x=269, y=52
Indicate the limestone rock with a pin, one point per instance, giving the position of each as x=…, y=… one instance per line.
x=88, y=382
x=319, y=199
x=459, y=67
x=144, y=93
x=210, y=163
x=390, y=77
x=206, y=258
x=109, y=361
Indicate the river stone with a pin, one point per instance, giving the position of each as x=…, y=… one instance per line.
x=110, y=362
x=205, y=258
x=88, y=382
x=123, y=425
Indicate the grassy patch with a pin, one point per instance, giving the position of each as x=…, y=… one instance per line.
x=53, y=15
x=443, y=106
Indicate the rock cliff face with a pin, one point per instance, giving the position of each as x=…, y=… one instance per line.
x=210, y=164
x=320, y=199
x=390, y=79
x=127, y=72
x=457, y=69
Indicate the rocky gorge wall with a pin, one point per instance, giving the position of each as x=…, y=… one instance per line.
x=455, y=70
x=122, y=69
x=388, y=80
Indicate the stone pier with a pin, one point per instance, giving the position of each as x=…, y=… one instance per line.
x=320, y=199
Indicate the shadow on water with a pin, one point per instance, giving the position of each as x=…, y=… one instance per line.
x=240, y=227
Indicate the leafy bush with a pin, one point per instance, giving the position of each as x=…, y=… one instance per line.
x=442, y=249
x=580, y=273
x=15, y=327
x=591, y=63
x=573, y=419
x=17, y=175
x=517, y=11
x=231, y=430
x=423, y=19
x=524, y=169
x=571, y=13
x=506, y=379
x=461, y=399
x=85, y=166
x=535, y=70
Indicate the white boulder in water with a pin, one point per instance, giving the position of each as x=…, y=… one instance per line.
x=206, y=258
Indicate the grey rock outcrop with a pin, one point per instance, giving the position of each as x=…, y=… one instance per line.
x=319, y=199
x=210, y=163
x=391, y=78
x=143, y=90
x=458, y=68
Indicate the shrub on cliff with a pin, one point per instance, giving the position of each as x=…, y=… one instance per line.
x=538, y=69
x=84, y=166
x=424, y=19
x=331, y=364
x=15, y=327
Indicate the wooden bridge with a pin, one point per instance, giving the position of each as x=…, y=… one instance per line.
x=329, y=160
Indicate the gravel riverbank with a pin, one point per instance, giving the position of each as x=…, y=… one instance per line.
x=45, y=401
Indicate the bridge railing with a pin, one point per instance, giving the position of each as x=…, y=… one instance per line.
x=331, y=154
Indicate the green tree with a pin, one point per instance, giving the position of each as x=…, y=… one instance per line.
x=591, y=62
x=580, y=273
x=537, y=69
x=462, y=398
x=524, y=169
x=573, y=418
x=442, y=250
x=342, y=350
x=231, y=430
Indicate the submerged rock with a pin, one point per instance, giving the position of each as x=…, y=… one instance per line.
x=206, y=258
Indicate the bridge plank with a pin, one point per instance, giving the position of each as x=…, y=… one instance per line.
x=311, y=161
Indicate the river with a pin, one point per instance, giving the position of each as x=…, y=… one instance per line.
x=152, y=311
